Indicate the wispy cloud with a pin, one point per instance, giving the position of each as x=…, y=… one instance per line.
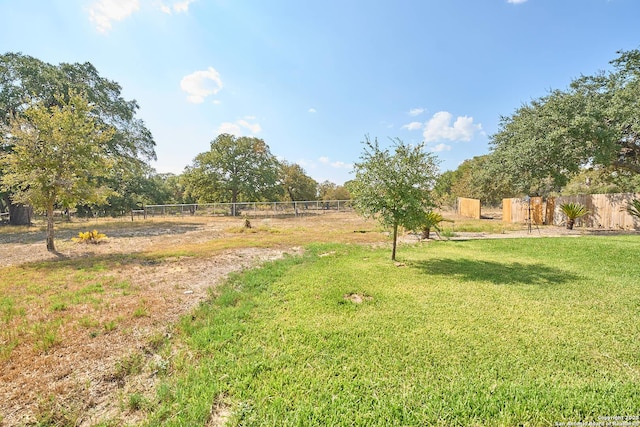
x=439, y=127
x=178, y=7
x=516, y=1
x=338, y=165
x=312, y=110
x=104, y=12
x=237, y=128
x=200, y=84
x=416, y=111
x=412, y=126
x=441, y=147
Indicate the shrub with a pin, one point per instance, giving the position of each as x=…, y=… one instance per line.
x=90, y=237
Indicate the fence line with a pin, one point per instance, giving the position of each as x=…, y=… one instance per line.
x=606, y=211
x=246, y=208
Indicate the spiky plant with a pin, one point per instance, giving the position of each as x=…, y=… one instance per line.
x=633, y=208
x=573, y=211
x=431, y=220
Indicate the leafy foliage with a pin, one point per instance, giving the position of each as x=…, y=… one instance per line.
x=328, y=190
x=394, y=187
x=474, y=178
x=431, y=220
x=296, y=183
x=25, y=81
x=594, y=122
x=573, y=211
x=235, y=169
x=56, y=154
x=633, y=208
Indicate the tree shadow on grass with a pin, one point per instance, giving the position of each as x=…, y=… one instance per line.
x=498, y=273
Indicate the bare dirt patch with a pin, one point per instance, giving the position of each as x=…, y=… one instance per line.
x=103, y=359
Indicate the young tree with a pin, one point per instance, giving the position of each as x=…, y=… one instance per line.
x=394, y=186
x=234, y=169
x=56, y=154
x=24, y=77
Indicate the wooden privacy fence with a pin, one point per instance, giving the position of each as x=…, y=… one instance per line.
x=522, y=210
x=607, y=211
x=469, y=208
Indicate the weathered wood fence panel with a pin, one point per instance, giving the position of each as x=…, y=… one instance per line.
x=607, y=211
x=469, y=208
x=521, y=210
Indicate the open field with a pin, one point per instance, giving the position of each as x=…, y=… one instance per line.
x=90, y=338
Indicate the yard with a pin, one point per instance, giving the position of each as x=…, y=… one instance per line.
x=475, y=332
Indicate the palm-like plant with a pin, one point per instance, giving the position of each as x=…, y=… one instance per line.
x=633, y=208
x=573, y=211
x=431, y=219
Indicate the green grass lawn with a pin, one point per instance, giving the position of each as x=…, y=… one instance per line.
x=494, y=332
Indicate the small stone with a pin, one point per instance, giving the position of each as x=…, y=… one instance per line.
x=188, y=292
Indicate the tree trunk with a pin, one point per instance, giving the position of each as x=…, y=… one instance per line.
x=50, y=244
x=395, y=240
x=426, y=233
x=20, y=214
x=234, y=199
x=570, y=223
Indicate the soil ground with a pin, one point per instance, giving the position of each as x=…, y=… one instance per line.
x=80, y=381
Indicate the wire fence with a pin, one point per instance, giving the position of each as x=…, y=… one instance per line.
x=253, y=209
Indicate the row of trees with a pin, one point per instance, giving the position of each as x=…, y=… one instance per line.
x=69, y=140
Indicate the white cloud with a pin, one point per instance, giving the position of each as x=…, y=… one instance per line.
x=201, y=84
x=236, y=128
x=416, y=111
x=254, y=128
x=413, y=126
x=103, y=12
x=338, y=165
x=516, y=1
x=230, y=128
x=312, y=110
x=441, y=147
x=178, y=7
x=439, y=127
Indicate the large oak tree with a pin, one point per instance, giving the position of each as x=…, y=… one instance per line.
x=235, y=169
x=593, y=123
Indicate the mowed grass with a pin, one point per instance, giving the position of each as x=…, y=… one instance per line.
x=495, y=332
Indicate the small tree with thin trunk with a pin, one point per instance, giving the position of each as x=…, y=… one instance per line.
x=56, y=155
x=394, y=186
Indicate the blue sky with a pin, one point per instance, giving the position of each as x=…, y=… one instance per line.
x=312, y=78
